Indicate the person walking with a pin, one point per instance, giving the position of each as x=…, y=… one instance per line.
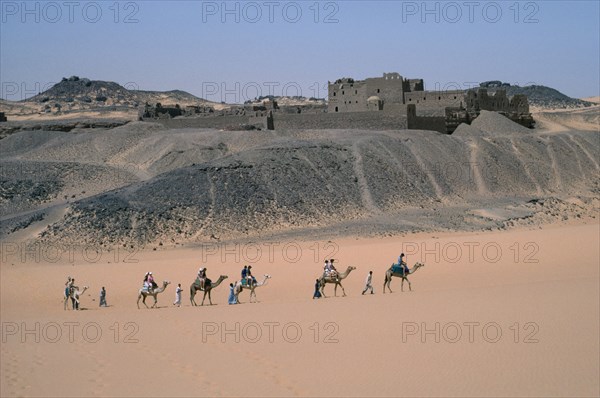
x=103, y=297
x=178, y=291
x=317, y=293
x=368, y=285
x=231, y=299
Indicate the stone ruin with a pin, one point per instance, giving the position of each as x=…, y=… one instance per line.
x=516, y=109
x=247, y=117
x=441, y=111
x=382, y=103
x=159, y=111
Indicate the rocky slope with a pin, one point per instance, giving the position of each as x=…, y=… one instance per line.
x=144, y=183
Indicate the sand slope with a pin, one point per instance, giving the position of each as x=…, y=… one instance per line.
x=547, y=290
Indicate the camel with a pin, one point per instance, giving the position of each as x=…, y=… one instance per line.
x=74, y=294
x=144, y=293
x=208, y=286
x=239, y=287
x=338, y=281
x=389, y=273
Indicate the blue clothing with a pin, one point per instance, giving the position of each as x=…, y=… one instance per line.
x=317, y=293
x=231, y=299
x=402, y=263
x=244, y=273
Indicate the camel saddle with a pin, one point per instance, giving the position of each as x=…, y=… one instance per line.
x=206, y=282
x=398, y=269
x=245, y=282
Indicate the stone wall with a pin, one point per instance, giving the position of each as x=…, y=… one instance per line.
x=349, y=95
x=433, y=123
x=389, y=88
x=355, y=120
x=264, y=121
x=433, y=102
x=217, y=122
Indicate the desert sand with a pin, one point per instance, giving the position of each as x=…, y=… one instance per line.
x=517, y=313
x=507, y=303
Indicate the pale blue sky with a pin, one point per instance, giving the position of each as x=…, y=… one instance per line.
x=187, y=45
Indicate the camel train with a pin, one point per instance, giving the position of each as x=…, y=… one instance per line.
x=72, y=293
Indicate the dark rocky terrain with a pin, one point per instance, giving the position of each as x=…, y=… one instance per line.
x=145, y=183
x=538, y=95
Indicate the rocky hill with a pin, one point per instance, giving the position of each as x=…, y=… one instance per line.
x=147, y=184
x=86, y=91
x=538, y=96
x=75, y=96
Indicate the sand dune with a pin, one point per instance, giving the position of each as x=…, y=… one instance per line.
x=595, y=100
x=541, y=293
x=557, y=120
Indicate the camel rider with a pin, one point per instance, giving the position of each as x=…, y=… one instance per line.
x=244, y=272
x=331, y=265
x=151, y=284
x=151, y=281
x=202, y=277
x=333, y=270
x=146, y=285
x=402, y=263
x=250, y=279
x=330, y=270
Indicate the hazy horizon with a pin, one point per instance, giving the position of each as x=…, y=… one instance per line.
x=236, y=51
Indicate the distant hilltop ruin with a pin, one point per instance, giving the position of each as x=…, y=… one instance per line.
x=390, y=102
x=442, y=111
